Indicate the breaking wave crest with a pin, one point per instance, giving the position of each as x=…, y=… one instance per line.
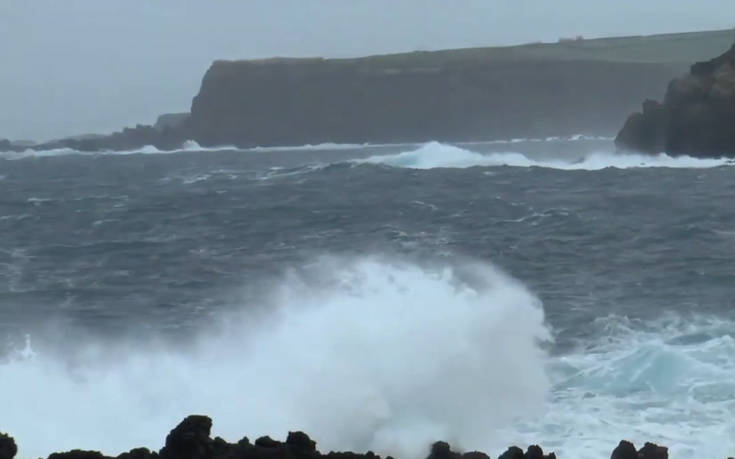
x=362, y=354
x=330, y=146
x=437, y=155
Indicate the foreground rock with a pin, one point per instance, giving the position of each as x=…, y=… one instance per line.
x=191, y=440
x=696, y=117
x=8, y=449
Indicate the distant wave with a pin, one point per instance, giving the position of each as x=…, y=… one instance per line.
x=437, y=155
x=328, y=146
x=572, y=138
x=189, y=145
x=358, y=146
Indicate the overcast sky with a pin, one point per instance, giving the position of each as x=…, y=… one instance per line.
x=76, y=66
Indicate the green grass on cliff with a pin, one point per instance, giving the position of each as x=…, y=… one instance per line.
x=678, y=48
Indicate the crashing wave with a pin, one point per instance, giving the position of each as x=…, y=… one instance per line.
x=438, y=155
x=365, y=353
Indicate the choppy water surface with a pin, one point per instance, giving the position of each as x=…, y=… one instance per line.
x=527, y=291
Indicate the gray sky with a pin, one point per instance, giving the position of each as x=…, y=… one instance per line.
x=76, y=66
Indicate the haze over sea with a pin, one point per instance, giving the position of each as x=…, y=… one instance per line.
x=530, y=291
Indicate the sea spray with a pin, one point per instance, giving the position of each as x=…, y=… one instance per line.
x=362, y=354
x=438, y=155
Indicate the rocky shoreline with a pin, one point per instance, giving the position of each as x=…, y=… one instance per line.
x=191, y=440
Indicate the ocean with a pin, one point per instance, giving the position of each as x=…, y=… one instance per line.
x=377, y=297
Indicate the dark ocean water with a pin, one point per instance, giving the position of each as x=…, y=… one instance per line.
x=143, y=253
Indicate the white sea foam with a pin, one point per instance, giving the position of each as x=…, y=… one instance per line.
x=671, y=381
x=325, y=147
x=573, y=138
x=437, y=155
x=191, y=145
x=361, y=354
x=187, y=146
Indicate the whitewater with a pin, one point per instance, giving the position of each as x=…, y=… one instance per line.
x=436, y=155
x=378, y=297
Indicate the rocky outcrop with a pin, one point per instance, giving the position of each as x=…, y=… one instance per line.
x=166, y=138
x=8, y=449
x=697, y=116
x=191, y=440
x=416, y=97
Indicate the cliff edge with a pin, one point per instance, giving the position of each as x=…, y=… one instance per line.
x=697, y=117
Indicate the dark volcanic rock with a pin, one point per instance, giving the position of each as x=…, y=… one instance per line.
x=513, y=452
x=652, y=451
x=300, y=441
x=189, y=440
x=535, y=452
x=138, y=453
x=267, y=442
x=475, y=455
x=441, y=450
x=697, y=116
x=624, y=450
x=301, y=445
x=8, y=449
x=78, y=454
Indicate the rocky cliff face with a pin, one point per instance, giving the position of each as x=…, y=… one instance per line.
x=191, y=440
x=697, y=116
x=416, y=98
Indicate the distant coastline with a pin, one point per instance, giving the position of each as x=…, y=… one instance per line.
x=577, y=86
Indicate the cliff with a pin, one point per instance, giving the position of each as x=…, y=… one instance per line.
x=536, y=90
x=309, y=101
x=191, y=440
x=695, y=118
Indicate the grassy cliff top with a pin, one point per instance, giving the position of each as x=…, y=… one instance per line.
x=677, y=48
